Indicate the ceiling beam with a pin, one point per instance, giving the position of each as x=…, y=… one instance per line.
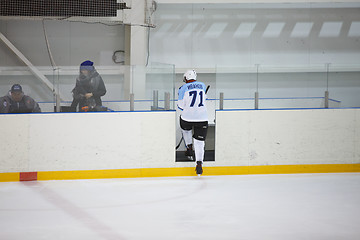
x=32, y=68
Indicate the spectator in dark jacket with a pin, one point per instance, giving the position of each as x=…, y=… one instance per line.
x=89, y=89
x=17, y=102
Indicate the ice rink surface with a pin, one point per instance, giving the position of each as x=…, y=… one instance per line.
x=291, y=207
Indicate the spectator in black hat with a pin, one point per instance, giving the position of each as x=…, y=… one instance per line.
x=16, y=102
x=89, y=89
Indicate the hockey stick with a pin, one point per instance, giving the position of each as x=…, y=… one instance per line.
x=207, y=89
x=182, y=137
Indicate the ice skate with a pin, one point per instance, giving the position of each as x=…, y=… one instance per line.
x=189, y=153
x=198, y=168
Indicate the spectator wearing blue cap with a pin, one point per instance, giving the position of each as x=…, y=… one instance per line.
x=17, y=102
x=89, y=89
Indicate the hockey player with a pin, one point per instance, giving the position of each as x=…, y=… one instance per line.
x=191, y=102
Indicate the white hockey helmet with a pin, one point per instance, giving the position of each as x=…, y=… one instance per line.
x=190, y=75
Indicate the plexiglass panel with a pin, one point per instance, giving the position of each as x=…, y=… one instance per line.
x=121, y=84
x=290, y=87
x=31, y=85
x=344, y=86
x=153, y=87
x=238, y=86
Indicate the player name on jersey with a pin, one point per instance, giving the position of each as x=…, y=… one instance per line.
x=195, y=85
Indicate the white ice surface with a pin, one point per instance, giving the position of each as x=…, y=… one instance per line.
x=299, y=206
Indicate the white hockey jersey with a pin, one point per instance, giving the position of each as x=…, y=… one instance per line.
x=192, y=102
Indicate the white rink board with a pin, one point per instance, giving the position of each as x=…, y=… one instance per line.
x=14, y=150
x=287, y=137
x=131, y=140
x=87, y=141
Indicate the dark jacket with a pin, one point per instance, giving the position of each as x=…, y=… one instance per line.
x=88, y=84
x=26, y=105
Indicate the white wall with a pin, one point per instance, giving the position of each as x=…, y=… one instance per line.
x=281, y=137
x=206, y=35
x=71, y=43
x=203, y=36
x=77, y=141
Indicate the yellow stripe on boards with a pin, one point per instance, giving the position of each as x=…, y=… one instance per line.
x=168, y=172
x=9, y=177
x=308, y=168
x=88, y=174
x=231, y=170
x=282, y=169
x=186, y=171
x=190, y=171
x=116, y=173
